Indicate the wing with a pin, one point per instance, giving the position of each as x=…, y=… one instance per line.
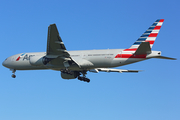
x=112, y=70
x=56, y=48
x=55, y=45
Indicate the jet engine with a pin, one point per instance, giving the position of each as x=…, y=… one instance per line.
x=38, y=60
x=71, y=75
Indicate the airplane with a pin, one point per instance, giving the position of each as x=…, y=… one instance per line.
x=76, y=64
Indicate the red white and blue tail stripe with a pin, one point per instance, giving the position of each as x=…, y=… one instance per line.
x=149, y=35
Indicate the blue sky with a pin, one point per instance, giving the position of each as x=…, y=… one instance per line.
x=152, y=94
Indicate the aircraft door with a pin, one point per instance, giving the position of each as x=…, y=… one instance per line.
x=108, y=58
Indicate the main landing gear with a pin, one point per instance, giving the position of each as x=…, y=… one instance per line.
x=13, y=71
x=84, y=77
x=68, y=74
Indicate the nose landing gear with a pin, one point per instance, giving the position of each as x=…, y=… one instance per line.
x=13, y=76
x=13, y=71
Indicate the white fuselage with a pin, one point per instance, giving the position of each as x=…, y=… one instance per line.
x=86, y=59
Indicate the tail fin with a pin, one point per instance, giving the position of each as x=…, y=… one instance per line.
x=149, y=35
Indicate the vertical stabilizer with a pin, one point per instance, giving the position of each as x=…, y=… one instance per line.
x=149, y=35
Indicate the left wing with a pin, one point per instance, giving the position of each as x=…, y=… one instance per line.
x=112, y=70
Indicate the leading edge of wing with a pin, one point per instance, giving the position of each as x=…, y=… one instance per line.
x=113, y=70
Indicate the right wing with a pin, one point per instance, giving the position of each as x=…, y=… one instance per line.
x=112, y=70
x=56, y=49
x=55, y=45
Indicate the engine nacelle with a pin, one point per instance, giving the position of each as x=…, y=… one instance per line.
x=73, y=75
x=36, y=60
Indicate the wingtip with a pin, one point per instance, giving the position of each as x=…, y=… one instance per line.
x=134, y=71
x=52, y=24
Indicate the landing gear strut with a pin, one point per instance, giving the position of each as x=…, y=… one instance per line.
x=84, y=77
x=13, y=71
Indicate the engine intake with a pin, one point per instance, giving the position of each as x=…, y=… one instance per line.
x=39, y=60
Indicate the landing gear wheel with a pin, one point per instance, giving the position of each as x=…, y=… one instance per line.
x=13, y=76
x=84, y=79
x=13, y=71
x=87, y=80
x=80, y=78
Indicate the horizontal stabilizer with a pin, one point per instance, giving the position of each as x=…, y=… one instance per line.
x=144, y=48
x=163, y=57
x=112, y=70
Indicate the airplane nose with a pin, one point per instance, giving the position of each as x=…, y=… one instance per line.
x=4, y=63
x=9, y=62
